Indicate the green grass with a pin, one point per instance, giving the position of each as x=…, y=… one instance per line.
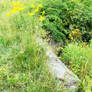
x=23, y=65
x=79, y=60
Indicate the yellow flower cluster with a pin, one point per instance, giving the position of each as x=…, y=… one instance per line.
x=16, y=7
x=37, y=9
x=75, y=34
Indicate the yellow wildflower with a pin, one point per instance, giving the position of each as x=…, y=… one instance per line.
x=43, y=12
x=33, y=6
x=36, y=10
x=31, y=14
x=41, y=18
x=16, y=3
x=40, y=6
x=8, y=14
x=22, y=8
x=17, y=9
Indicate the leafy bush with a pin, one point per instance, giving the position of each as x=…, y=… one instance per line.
x=63, y=16
x=79, y=60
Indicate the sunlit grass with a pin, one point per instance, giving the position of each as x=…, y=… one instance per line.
x=23, y=65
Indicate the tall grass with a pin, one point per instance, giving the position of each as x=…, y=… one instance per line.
x=79, y=60
x=23, y=65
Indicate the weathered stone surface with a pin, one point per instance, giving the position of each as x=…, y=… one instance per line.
x=60, y=71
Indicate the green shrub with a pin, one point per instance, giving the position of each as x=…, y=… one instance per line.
x=63, y=16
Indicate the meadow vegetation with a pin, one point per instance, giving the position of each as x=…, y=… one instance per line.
x=23, y=65
x=78, y=57
x=22, y=59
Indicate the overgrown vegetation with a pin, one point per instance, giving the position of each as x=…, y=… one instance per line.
x=22, y=59
x=71, y=21
x=79, y=60
x=63, y=16
x=23, y=65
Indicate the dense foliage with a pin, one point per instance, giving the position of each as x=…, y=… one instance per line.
x=63, y=16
